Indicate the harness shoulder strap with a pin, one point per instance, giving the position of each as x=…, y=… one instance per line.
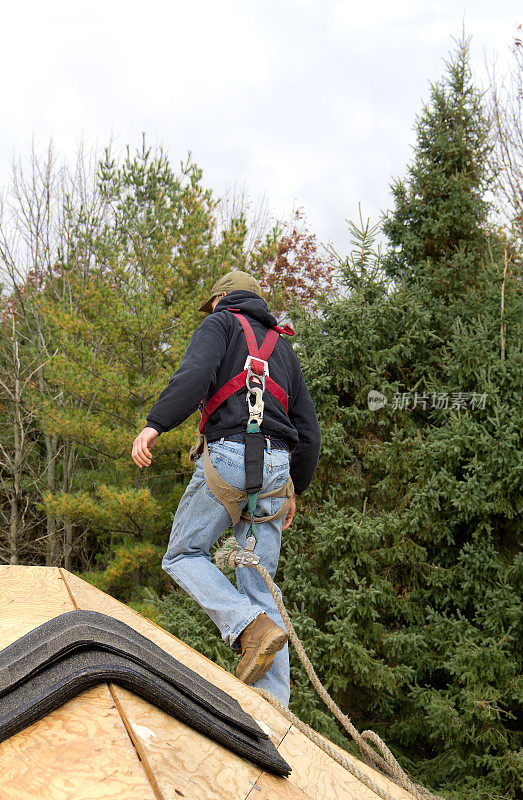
x=268, y=344
x=236, y=383
x=252, y=344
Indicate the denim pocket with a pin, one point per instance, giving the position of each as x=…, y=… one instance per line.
x=229, y=464
x=280, y=480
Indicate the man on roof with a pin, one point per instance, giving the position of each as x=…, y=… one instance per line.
x=218, y=351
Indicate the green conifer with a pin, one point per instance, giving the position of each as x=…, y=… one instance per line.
x=131, y=287
x=402, y=571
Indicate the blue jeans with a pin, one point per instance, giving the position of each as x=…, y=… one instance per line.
x=199, y=521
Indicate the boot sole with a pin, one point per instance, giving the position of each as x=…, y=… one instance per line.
x=263, y=656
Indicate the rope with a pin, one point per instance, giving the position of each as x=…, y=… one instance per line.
x=325, y=746
x=384, y=761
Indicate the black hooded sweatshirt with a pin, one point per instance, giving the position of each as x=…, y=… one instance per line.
x=216, y=353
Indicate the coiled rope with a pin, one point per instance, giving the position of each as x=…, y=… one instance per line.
x=383, y=761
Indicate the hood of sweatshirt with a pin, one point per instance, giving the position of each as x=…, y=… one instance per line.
x=248, y=303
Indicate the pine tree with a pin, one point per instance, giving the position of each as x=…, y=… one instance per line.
x=117, y=256
x=34, y=227
x=401, y=572
x=132, y=284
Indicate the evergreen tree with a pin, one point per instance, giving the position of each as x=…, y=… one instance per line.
x=120, y=257
x=401, y=571
x=35, y=225
x=133, y=281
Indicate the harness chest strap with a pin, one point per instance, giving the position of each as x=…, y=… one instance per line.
x=234, y=499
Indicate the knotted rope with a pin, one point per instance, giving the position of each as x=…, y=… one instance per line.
x=383, y=761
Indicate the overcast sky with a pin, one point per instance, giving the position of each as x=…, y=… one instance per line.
x=308, y=103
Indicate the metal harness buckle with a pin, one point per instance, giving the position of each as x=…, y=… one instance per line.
x=248, y=366
x=253, y=375
x=255, y=382
x=255, y=404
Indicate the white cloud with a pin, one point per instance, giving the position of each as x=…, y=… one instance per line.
x=307, y=101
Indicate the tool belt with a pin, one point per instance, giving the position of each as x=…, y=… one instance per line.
x=234, y=499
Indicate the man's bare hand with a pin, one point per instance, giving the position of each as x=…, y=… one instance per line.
x=141, y=453
x=290, y=513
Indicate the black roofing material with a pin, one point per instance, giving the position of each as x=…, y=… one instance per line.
x=78, y=649
x=77, y=630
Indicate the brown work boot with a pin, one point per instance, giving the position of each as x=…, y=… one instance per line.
x=260, y=641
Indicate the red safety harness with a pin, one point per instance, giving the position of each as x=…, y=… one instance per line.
x=257, y=365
